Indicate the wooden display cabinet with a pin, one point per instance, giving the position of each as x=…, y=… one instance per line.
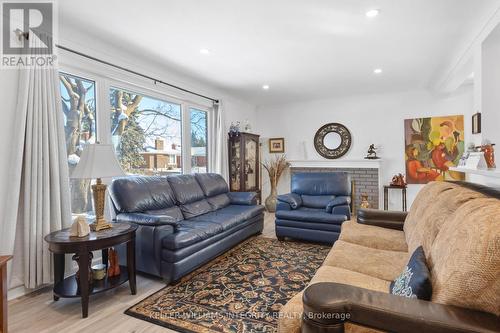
x=244, y=163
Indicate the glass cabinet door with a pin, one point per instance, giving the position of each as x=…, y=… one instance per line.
x=250, y=164
x=235, y=165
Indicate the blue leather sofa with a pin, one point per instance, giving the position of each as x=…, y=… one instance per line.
x=315, y=210
x=184, y=221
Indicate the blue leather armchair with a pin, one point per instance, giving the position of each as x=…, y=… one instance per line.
x=183, y=221
x=315, y=210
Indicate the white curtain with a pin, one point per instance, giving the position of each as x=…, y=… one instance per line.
x=39, y=198
x=218, y=152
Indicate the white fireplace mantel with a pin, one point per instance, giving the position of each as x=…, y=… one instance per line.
x=351, y=164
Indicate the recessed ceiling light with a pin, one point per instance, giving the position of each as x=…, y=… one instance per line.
x=265, y=87
x=205, y=51
x=377, y=71
x=372, y=13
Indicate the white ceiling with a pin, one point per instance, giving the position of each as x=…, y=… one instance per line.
x=304, y=49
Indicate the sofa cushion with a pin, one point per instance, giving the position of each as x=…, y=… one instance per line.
x=321, y=183
x=133, y=194
x=316, y=201
x=219, y=201
x=212, y=183
x=190, y=232
x=373, y=237
x=382, y=264
x=415, y=280
x=310, y=215
x=432, y=208
x=215, y=189
x=189, y=195
x=232, y=215
x=290, y=317
x=174, y=212
x=464, y=259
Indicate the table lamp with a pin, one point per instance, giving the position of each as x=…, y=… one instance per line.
x=98, y=161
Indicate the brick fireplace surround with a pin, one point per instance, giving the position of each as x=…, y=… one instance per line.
x=365, y=173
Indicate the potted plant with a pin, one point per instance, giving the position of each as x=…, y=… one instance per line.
x=275, y=168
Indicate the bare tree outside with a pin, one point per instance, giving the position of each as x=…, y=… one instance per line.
x=78, y=104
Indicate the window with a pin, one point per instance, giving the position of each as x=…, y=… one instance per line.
x=146, y=133
x=78, y=105
x=199, y=140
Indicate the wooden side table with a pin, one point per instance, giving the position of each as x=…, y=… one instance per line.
x=386, y=195
x=60, y=243
x=3, y=293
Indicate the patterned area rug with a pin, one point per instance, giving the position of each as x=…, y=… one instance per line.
x=240, y=291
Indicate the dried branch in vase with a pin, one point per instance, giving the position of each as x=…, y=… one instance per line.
x=275, y=168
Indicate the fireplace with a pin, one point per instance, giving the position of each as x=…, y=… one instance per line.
x=365, y=174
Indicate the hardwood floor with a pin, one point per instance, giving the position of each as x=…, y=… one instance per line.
x=38, y=312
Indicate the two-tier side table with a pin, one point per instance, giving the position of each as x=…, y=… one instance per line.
x=60, y=243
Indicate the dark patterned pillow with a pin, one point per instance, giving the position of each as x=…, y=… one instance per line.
x=415, y=281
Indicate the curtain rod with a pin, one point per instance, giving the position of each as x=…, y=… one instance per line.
x=135, y=73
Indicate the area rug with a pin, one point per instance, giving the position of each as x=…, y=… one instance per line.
x=243, y=290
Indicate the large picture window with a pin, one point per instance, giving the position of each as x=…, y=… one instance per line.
x=199, y=140
x=79, y=108
x=146, y=133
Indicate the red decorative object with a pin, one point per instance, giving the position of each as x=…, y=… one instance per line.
x=114, y=265
x=398, y=180
x=489, y=155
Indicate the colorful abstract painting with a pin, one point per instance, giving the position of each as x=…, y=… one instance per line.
x=432, y=146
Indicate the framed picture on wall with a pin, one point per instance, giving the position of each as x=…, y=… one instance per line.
x=276, y=145
x=476, y=123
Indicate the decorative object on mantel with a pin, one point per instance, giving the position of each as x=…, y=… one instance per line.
x=275, y=168
x=276, y=145
x=114, y=265
x=234, y=129
x=398, y=181
x=372, y=153
x=98, y=161
x=489, y=154
x=332, y=140
x=476, y=123
x=80, y=227
x=475, y=161
x=432, y=146
x=364, y=201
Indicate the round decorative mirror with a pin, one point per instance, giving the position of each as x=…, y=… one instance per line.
x=332, y=140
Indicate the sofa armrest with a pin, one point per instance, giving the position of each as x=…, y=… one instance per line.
x=147, y=219
x=339, y=201
x=382, y=218
x=294, y=200
x=342, y=210
x=243, y=198
x=327, y=306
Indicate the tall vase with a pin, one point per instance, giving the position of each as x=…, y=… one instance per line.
x=271, y=200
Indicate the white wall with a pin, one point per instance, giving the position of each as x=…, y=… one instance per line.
x=374, y=119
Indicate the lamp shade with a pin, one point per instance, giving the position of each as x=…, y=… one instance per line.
x=97, y=161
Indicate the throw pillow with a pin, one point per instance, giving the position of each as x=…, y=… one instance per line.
x=415, y=281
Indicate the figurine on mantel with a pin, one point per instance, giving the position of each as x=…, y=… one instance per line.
x=372, y=153
x=489, y=153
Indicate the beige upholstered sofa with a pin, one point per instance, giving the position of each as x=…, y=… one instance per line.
x=458, y=226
